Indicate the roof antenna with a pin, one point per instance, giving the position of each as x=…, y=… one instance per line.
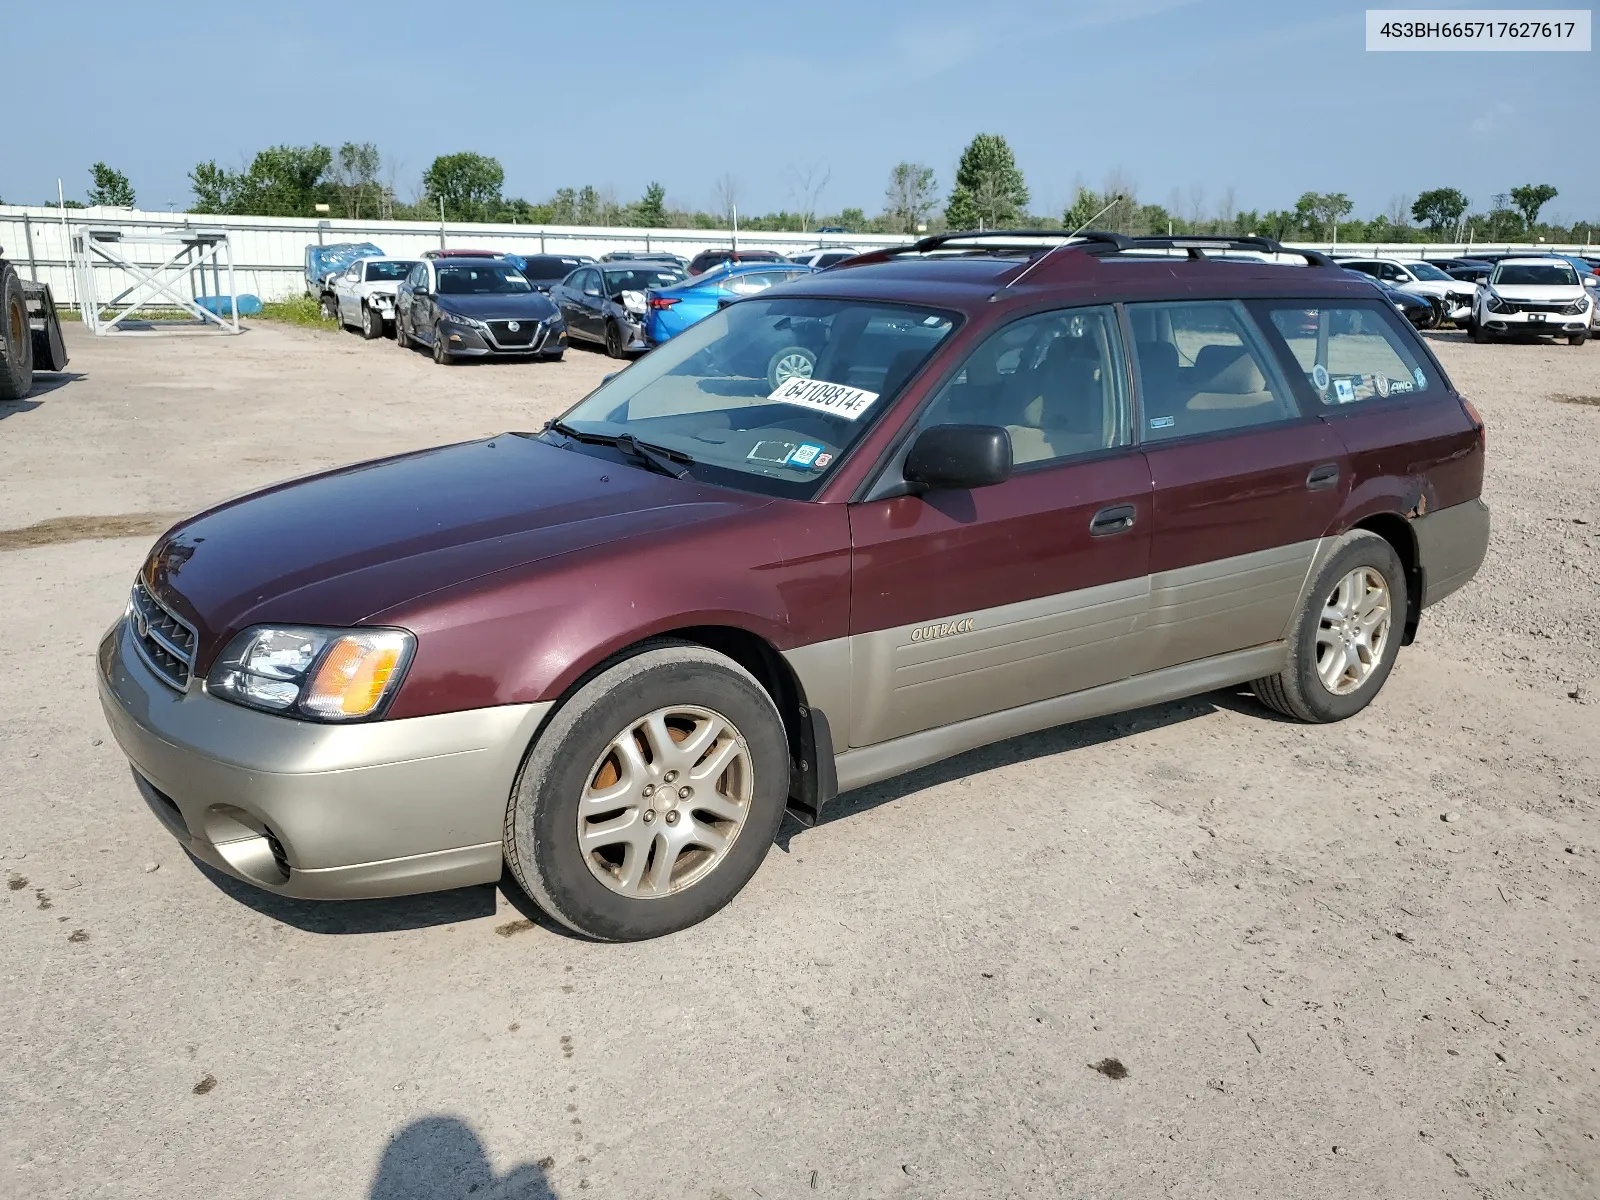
x=1026, y=271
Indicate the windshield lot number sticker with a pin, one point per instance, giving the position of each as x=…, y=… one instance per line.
x=820, y=396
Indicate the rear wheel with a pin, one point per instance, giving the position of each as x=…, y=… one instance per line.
x=16, y=373
x=651, y=797
x=371, y=322
x=1345, y=639
x=788, y=363
x=330, y=308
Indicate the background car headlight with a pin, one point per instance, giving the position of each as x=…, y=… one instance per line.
x=458, y=319
x=323, y=674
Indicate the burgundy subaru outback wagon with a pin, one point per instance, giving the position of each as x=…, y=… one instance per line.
x=1009, y=481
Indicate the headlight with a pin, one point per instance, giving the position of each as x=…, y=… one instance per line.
x=1498, y=305
x=1580, y=305
x=323, y=674
x=458, y=319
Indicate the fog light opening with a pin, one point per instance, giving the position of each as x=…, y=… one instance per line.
x=249, y=847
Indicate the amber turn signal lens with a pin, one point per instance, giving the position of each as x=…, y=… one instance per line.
x=356, y=674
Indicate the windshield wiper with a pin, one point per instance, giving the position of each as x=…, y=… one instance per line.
x=655, y=458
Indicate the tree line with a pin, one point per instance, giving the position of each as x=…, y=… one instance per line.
x=988, y=191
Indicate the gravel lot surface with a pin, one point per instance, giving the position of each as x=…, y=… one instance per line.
x=1350, y=960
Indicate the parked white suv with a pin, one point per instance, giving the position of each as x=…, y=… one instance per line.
x=1420, y=279
x=363, y=293
x=1532, y=296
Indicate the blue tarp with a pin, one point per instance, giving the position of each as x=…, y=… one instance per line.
x=322, y=261
x=249, y=305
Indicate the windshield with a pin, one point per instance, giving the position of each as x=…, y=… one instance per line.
x=388, y=270
x=480, y=279
x=1536, y=275
x=638, y=279
x=767, y=395
x=1424, y=270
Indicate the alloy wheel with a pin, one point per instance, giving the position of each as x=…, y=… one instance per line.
x=1356, y=622
x=665, y=801
x=791, y=365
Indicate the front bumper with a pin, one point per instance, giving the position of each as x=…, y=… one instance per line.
x=1555, y=323
x=1451, y=545
x=387, y=808
x=470, y=342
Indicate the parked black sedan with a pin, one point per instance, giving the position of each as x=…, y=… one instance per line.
x=476, y=308
x=606, y=303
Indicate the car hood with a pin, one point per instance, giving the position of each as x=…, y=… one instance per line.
x=508, y=305
x=1543, y=293
x=336, y=548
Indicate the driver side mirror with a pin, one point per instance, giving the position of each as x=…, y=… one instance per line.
x=959, y=457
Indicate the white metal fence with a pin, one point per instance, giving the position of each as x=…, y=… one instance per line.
x=269, y=252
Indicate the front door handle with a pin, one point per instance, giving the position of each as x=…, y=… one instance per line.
x=1116, y=519
x=1322, y=477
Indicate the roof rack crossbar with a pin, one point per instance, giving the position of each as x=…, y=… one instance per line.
x=1198, y=244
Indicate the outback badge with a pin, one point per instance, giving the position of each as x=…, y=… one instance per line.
x=928, y=633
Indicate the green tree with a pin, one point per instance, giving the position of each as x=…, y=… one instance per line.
x=283, y=181
x=853, y=219
x=1440, y=208
x=355, y=175
x=1320, y=212
x=652, y=207
x=468, y=183
x=564, y=207
x=589, y=209
x=110, y=187
x=1529, y=199
x=989, y=189
x=910, y=196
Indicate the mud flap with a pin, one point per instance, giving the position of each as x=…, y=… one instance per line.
x=49, y=348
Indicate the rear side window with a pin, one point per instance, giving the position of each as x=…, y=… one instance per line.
x=1349, y=351
x=1203, y=369
x=1055, y=381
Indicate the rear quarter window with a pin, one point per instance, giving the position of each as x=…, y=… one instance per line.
x=1348, y=351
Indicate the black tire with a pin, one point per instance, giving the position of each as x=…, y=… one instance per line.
x=440, y=355
x=1577, y=339
x=401, y=337
x=556, y=357
x=541, y=826
x=614, y=341
x=1479, y=333
x=16, y=373
x=775, y=376
x=330, y=309
x=371, y=323
x=1297, y=690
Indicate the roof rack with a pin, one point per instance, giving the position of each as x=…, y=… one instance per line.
x=1199, y=244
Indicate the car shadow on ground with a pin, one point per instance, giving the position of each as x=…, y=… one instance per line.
x=342, y=917
x=1027, y=747
x=441, y=1158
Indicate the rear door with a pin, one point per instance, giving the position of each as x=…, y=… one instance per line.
x=1245, y=485
x=966, y=603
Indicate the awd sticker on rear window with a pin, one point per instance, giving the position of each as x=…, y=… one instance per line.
x=839, y=399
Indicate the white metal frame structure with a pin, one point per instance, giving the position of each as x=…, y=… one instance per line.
x=184, y=270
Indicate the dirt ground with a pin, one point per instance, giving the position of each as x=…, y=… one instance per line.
x=1194, y=951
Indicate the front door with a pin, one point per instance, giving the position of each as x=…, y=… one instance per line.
x=1245, y=486
x=966, y=603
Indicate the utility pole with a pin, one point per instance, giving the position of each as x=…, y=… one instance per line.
x=441, y=222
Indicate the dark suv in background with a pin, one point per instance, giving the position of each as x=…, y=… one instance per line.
x=1030, y=479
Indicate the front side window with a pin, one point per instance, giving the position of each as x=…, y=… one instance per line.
x=765, y=395
x=1055, y=382
x=1349, y=350
x=480, y=279
x=1203, y=368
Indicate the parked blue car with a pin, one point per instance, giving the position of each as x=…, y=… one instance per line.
x=671, y=310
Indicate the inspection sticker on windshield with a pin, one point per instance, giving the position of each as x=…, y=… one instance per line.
x=839, y=399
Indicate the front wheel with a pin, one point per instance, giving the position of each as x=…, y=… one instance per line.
x=330, y=308
x=401, y=337
x=614, y=341
x=1577, y=339
x=651, y=797
x=440, y=355
x=16, y=372
x=1479, y=333
x=1346, y=637
x=371, y=323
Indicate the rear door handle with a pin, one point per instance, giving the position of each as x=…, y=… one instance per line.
x=1322, y=477
x=1116, y=519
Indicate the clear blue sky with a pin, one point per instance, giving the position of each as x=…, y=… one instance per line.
x=1270, y=99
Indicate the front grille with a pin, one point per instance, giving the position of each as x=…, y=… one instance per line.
x=166, y=642
x=526, y=335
